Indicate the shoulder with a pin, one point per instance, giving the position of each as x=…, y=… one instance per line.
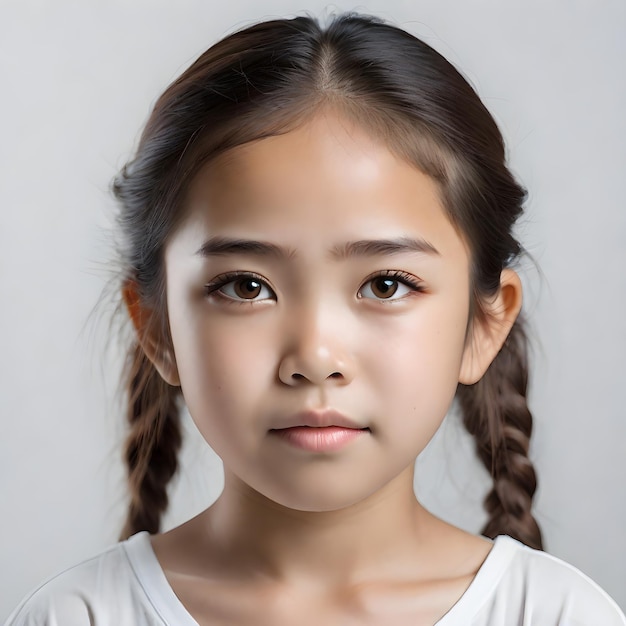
x=100, y=590
x=546, y=589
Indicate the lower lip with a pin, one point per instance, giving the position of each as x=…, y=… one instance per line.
x=326, y=439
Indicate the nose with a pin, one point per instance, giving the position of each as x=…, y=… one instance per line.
x=316, y=351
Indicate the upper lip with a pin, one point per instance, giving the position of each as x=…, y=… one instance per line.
x=318, y=419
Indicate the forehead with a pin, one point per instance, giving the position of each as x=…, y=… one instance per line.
x=325, y=182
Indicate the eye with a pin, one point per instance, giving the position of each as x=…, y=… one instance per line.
x=241, y=287
x=390, y=286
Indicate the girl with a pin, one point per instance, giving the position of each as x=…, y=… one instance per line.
x=316, y=241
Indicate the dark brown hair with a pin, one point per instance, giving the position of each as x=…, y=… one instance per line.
x=265, y=80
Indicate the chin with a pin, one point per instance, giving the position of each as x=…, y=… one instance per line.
x=320, y=497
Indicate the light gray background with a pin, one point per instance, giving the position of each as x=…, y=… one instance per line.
x=77, y=82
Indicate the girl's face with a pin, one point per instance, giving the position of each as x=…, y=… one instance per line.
x=316, y=280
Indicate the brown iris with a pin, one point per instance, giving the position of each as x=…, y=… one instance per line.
x=384, y=287
x=247, y=288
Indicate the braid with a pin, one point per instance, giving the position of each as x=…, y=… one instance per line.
x=152, y=444
x=495, y=412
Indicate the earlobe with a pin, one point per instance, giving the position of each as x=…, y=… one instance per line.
x=161, y=356
x=488, y=333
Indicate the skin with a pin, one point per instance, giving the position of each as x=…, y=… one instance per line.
x=338, y=537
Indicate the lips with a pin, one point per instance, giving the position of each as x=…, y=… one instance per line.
x=319, y=419
x=319, y=431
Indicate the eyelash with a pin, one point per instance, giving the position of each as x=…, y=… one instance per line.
x=404, y=278
x=214, y=288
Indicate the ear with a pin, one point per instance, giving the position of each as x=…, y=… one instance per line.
x=161, y=356
x=488, y=335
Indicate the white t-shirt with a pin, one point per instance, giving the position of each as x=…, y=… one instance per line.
x=516, y=586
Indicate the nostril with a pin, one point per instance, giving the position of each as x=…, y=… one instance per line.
x=336, y=375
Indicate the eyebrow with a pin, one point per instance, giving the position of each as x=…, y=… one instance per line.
x=373, y=247
x=217, y=246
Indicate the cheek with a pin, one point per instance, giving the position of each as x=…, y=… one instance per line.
x=417, y=369
x=223, y=364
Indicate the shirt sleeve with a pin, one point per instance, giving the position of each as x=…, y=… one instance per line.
x=558, y=594
x=45, y=609
x=101, y=591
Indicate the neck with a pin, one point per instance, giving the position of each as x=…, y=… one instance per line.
x=254, y=534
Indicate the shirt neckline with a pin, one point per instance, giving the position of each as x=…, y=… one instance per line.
x=484, y=583
x=152, y=579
